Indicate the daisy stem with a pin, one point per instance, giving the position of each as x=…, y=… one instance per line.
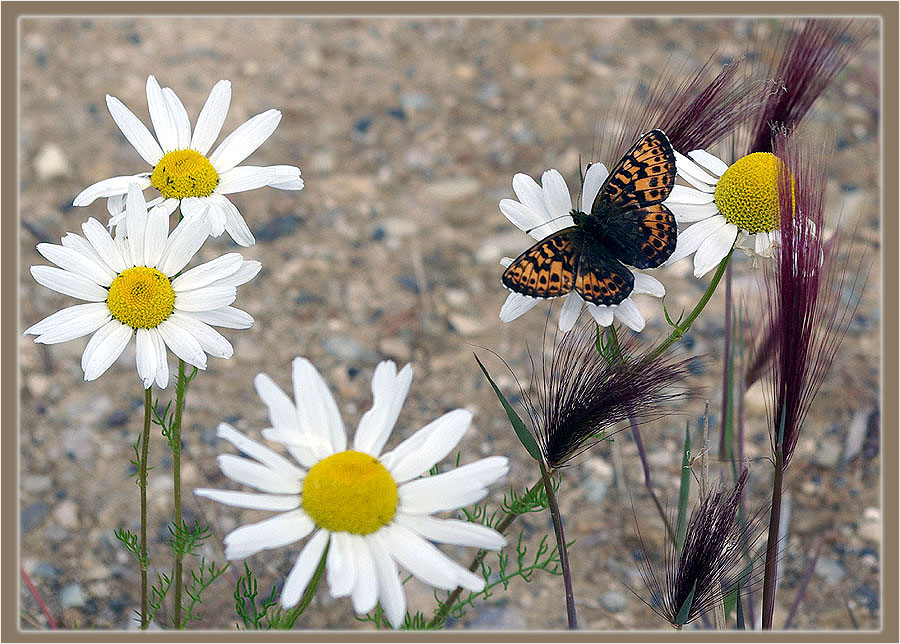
x=142, y=482
x=291, y=617
x=561, y=547
x=682, y=327
x=175, y=445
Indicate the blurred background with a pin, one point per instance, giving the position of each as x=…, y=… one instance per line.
x=408, y=133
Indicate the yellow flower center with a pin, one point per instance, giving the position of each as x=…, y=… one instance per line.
x=747, y=194
x=350, y=492
x=184, y=173
x=141, y=297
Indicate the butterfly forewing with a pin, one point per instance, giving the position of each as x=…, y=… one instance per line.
x=643, y=237
x=643, y=177
x=547, y=269
x=600, y=278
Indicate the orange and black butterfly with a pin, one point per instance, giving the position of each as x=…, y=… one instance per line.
x=628, y=224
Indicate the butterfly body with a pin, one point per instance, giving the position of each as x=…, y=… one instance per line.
x=627, y=225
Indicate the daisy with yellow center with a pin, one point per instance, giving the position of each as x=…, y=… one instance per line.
x=134, y=288
x=725, y=200
x=183, y=171
x=369, y=510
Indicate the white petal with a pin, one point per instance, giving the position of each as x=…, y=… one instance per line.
x=207, y=298
x=136, y=222
x=516, y=305
x=146, y=357
x=287, y=177
x=390, y=590
x=78, y=263
x=252, y=500
x=304, y=569
x=70, y=323
x=630, y=315
x=452, y=531
x=712, y=163
x=258, y=451
x=274, y=532
x=182, y=344
x=689, y=196
x=161, y=116
x=183, y=243
x=648, y=285
x=389, y=391
x=69, y=283
x=316, y=408
x=694, y=174
x=104, y=245
x=246, y=272
x=531, y=196
x=135, y=131
x=162, y=364
x=418, y=453
x=690, y=238
x=155, y=235
x=454, y=489
x=179, y=116
x=523, y=217
x=227, y=317
x=341, y=565
x=112, y=187
x=365, y=593
x=115, y=206
x=688, y=213
x=714, y=249
x=571, y=309
x=763, y=244
x=420, y=558
x=209, y=272
x=282, y=411
x=241, y=143
x=83, y=246
x=603, y=315
x=261, y=477
x=593, y=180
x=243, y=178
x=212, y=117
x=557, y=199
x=235, y=225
x=104, y=348
x=210, y=340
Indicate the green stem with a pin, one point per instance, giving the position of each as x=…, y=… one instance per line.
x=442, y=611
x=175, y=445
x=293, y=615
x=561, y=547
x=682, y=327
x=142, y=482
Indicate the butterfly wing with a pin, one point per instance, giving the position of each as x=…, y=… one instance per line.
x=547, y=269
x=643, y=237
x=643, y=177
x=601, y=278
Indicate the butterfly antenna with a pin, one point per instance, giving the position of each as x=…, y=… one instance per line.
x=549, y=221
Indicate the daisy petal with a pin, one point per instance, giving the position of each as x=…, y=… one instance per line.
x=649, y=285
x=454, y=489
x=365, y=593
x=183, y=243
x=690, y=238
x=274, y=532
x=75, y=262
x=258, y=451
x=287, y=177
x=282, y=411
x=253, y=474
x=210, y=340
x=162, y=364
x=67, y=283
x=112, y=187
x=694, y=174
x=247, y=271
x=389, y=391
x=420, y=558
x=593, y=179
x=241, y=143
x=244, y=178
x=603, y=315
x=706, y=160
x=522, y=217
x=227, y=317
x=235, y=225
x=205, y=299
x=70, y=323
x=429, y=445
x=179, y=117
x=104, y=245
x=206, y=274
x=161, y=117
x=517, y=305
x=145, y=357
x=104, y=348
x=252, y=500
x=136, y=223
x=630, y=315
x=571, y=309
x=452, y=531
x=714, y=249
x=303, y=570
x=212, y=117
x=390, y=590
x=135, y=131
x=530, y=195
x=318, y=412
x=341, y=565
x=685, y=195
x=155, y=235
x=688, y=213
x=182, y=344
x=557, y=199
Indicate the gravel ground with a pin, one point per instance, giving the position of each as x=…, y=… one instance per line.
x=408, y=133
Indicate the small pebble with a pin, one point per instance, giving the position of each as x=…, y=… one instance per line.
x=32, y=515
x=72, y=596
x=613, y=601
x=66, y=514
x=827, y=454
x=453, y=189
x=494, y=618
x=51, y=163
x=832, y=572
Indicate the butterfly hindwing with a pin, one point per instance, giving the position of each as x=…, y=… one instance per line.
x=643, y=237
x=547, y=269
x=601, y=278
x=643, y=177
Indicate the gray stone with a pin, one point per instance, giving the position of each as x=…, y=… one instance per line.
x=413, y=101
x=51, y=163
x=45, y=570
x=36, y=483
x=346, y=348
x=495, y=618
x=453, y=189
x=32, y=515
x=613, y=601
x=827, y=454
x=832, y=572
x=72, y=596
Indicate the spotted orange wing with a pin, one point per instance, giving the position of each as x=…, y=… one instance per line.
x=547, y=269
x=643, y=177
x=643, y=237
x=600, y=277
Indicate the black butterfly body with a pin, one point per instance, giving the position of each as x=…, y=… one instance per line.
x=628, y=224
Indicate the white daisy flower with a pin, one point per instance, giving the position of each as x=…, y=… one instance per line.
x=544, y=209
x=369, y=510
x=725, y=201
x=183, y=171
x=134, y=287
